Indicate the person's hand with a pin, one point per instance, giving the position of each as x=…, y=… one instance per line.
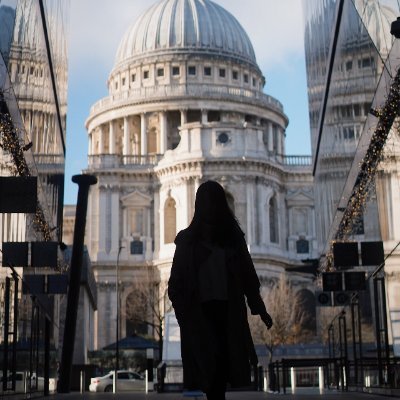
x=266, y=318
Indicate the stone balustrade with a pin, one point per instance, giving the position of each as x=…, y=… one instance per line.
x=153, y=93
x=150, y=160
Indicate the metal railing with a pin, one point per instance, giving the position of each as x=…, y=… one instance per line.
x=297, y=160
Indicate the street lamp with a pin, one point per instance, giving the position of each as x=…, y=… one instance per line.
x=117, y=324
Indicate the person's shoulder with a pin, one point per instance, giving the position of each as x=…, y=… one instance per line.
x=184, y=236
x=238, y=236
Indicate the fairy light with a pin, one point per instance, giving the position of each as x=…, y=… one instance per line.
x=10, y=143
x=365, y=181
x=41, y=225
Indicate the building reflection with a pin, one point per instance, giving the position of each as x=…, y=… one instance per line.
x=351, y=62
x=33, y=95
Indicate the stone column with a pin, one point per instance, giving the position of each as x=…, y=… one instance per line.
x=124, y=223
x=126, y=151
x=163, y=132
x=279, y=139
x=101, y=139
x=283, y=142
x=258, y=212
x=250, y=212
x=102, y=219
x=143, y=134
x=36, y=133
x=204, y=116
x=45, y=137
x=111, y=146
x=41, y=132
x=183, y=117
x=115, y=221
x=54, y=137
x=93, y=142
x=157, y=234
x=90, y=138
x=270, y=137
x=147, y=233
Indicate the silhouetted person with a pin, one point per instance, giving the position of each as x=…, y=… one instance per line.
x=212, y=273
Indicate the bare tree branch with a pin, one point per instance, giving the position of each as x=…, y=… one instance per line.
x=148, y=303
x=288, y=315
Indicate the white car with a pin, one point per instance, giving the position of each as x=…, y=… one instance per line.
x=127, y=381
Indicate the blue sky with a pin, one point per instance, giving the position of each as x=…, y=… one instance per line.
x=96, y=27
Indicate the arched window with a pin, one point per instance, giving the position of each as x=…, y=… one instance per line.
x=169, y=220
x=273, y=221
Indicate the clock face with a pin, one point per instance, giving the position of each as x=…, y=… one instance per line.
x=223, y=138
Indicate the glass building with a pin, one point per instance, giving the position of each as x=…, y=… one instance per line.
x=33, y=104
x=345, y=60
x=352, y=61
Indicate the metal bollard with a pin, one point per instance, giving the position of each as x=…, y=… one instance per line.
x=82, y=383
x=293, y=379
x=321, y=380
x=115, y=381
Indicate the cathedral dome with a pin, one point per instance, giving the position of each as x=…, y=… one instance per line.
x=178, y=26
x=377, y=18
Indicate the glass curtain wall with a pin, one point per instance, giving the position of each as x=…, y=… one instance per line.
x=353, y=77
x=33, y=98
x=345, y=59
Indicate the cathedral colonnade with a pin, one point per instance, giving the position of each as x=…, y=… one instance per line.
x=137, y=135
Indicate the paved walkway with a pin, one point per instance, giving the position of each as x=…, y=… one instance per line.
x=304, y=395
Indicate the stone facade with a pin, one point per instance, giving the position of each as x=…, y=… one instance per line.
x=178, y=114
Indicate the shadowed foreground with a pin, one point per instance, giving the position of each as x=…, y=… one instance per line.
x=303, y=395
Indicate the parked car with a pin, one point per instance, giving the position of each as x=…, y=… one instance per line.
x=126, y=381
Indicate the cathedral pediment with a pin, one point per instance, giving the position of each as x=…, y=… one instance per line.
x=136, y=199
x=300, y=197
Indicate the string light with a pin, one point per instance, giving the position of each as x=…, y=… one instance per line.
x=368, y=167
x=41, y=225
x=10, y=143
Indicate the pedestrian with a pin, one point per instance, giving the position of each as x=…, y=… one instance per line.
x=212, y=275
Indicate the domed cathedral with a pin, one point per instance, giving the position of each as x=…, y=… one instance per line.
x=186, y=105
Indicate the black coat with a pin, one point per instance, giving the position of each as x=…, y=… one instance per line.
x=196, y=337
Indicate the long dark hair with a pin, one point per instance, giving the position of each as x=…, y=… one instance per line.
x=211, y=210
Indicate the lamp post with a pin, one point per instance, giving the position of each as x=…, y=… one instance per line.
x=83, y=182
x=117, y=324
